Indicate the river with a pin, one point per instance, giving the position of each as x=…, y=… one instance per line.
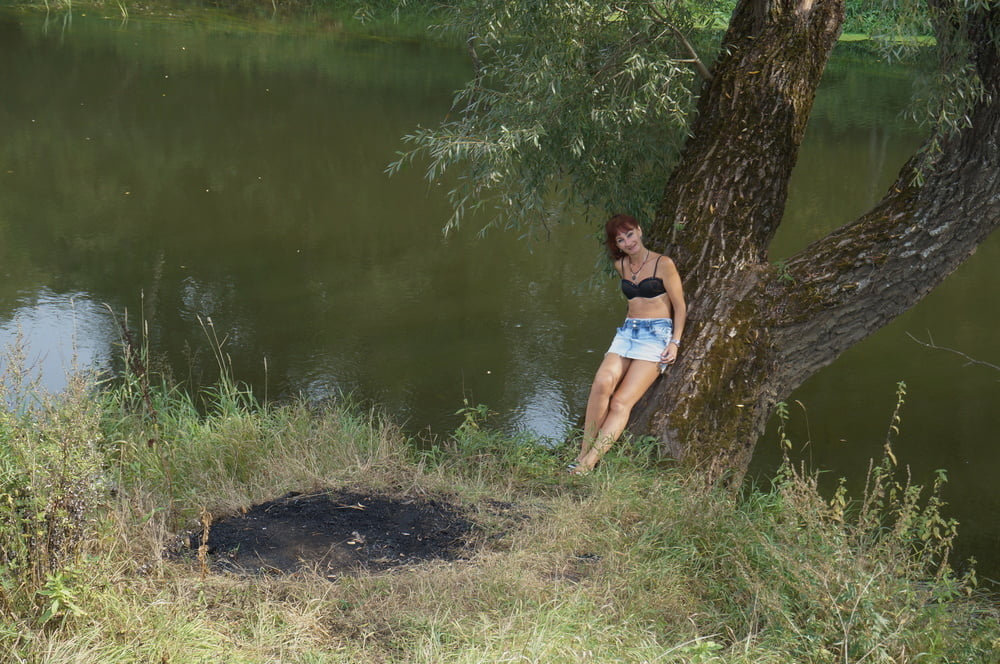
x=214, y=182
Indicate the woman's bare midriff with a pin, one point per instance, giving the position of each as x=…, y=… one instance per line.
x=650, y=307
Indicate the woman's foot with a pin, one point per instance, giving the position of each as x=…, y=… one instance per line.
x=588, y=461
x=581, y=467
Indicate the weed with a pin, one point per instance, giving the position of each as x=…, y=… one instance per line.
x=781, y=412
x=206, y=527
x=60, y=597
x=784, y=272
x=51, y=487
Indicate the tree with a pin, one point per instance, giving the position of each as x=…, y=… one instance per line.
x=756, y=330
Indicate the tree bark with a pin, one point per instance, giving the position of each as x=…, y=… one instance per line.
x=755, y=331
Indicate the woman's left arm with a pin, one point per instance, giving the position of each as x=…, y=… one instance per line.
x=675, y=291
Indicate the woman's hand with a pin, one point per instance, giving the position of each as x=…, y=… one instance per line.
x=669, y=354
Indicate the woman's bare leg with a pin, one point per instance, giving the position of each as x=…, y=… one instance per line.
x=609, y=374
x=639, y=375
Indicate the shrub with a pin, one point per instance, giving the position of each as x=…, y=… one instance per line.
x=51, y=485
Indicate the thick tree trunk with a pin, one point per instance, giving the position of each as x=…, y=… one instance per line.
x=756, y=332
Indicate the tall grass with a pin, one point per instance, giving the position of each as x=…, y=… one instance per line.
x=633, y=563
x=223, y=447
x=51, y=487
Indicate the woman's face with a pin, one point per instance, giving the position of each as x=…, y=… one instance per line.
x=629, y=240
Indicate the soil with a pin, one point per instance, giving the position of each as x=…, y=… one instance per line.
x=336, y=533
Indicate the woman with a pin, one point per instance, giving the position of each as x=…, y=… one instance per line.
x=649, y=339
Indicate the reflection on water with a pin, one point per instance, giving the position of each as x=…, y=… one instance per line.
x=52, y=336
x=186, y=175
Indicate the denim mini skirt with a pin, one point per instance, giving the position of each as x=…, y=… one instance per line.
x=642, y=338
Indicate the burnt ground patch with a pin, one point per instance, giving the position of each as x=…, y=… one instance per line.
x=335, y=533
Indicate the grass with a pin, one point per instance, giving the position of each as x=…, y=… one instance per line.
x=633, y=563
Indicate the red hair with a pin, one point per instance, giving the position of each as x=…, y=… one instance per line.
x=615, y=226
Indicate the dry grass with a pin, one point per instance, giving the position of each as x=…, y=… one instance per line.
x=629, y=564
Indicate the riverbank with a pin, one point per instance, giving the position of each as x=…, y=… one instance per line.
x=374, y=18
x=117, y=503
x=411, y=19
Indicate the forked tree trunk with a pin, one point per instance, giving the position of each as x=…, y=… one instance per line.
x=755, y=332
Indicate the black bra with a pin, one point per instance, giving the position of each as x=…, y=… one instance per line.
x=647, y=288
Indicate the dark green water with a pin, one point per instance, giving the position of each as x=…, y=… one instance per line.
x=186, y=174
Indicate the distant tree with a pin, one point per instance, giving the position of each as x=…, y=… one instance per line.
x=587, y=102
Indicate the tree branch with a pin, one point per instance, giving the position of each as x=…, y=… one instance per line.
x=698, y=64
x=969, y=360
x=857, y=279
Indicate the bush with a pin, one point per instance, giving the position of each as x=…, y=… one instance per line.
x=51, y=486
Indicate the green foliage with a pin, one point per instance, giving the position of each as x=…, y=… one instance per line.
x=781, y=412
x=867, y=574
x=851, y=570
x=582, y=105
x=51, y=487
x=876, y=19
x=945, y=92
x=366, y=11
x=573, y=103
x=784, y=274
x=60, y=598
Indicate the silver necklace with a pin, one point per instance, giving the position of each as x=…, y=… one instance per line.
x=635, y=272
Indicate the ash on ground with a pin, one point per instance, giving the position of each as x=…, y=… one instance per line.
x=336, y=533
